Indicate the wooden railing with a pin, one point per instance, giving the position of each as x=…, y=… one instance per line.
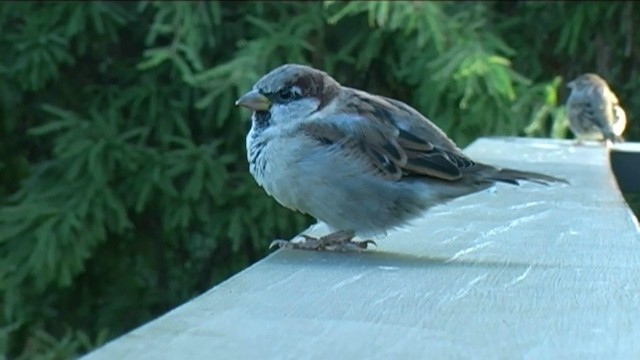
x=514, y=272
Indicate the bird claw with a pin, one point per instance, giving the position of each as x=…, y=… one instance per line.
x=338, y=241
x=358, y=246
x=281, y=244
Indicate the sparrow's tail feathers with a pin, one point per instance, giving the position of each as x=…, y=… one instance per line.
x=514, y=177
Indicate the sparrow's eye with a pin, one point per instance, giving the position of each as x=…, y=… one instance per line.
x=289, y=93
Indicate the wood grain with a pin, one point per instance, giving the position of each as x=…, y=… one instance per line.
x=529, y=272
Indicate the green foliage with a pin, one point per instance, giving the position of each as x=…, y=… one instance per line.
x=124, y=188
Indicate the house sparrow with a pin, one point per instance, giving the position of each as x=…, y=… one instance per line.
x=594, y=110
x=361, y=163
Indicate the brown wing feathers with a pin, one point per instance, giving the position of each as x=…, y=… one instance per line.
x=422, y=157
x=394, y=152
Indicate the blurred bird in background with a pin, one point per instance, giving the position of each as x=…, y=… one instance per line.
x=594, y=110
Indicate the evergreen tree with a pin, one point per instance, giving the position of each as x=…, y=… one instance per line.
x=124, y=187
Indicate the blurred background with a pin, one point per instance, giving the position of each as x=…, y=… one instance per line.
x=124, y=186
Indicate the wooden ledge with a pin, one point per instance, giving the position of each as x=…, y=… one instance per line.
x=514, y=272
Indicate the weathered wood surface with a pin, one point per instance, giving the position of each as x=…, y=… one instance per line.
x=527, y=272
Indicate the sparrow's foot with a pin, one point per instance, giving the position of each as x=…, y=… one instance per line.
x=337, y=241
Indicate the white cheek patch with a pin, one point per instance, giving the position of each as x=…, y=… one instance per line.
x=293, y=111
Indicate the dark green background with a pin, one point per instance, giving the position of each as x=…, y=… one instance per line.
x=124, y=188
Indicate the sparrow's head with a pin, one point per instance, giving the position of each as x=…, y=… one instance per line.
x=290, y=92
x=586, y=81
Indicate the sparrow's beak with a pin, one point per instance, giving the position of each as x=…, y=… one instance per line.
x=254, y=100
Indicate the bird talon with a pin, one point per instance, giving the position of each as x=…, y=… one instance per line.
x=338, y=241
x=281, y=244
x=308, y=243
x=365, y=243
x=357, y=246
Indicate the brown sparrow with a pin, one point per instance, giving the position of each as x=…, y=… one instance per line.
x=594, y=110
x=363, y=164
